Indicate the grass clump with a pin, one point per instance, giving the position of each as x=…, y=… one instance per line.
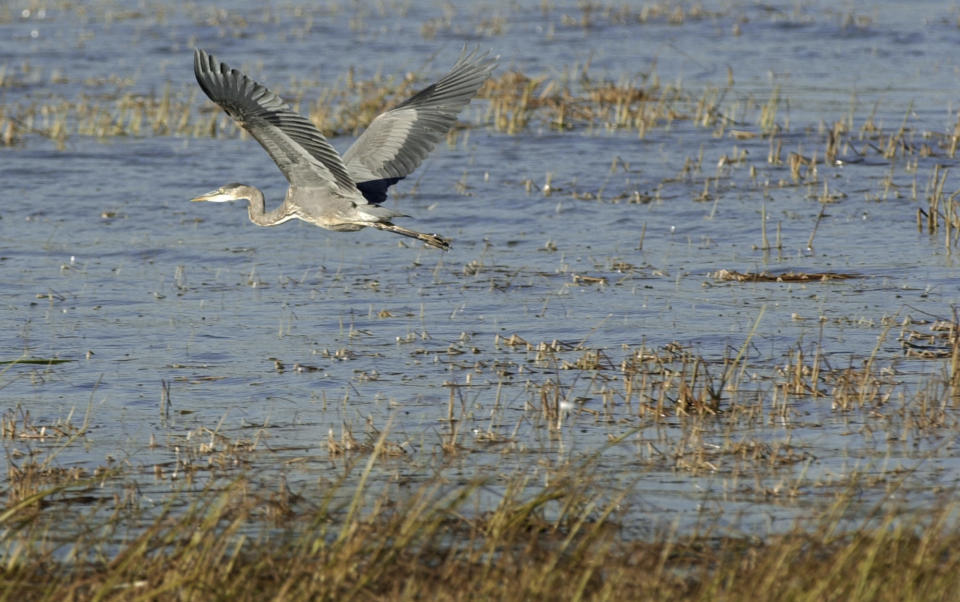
x=243, y=540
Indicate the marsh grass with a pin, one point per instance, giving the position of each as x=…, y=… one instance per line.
x=240, y=540
x=396, y=522
x=391, y=520
x=515, y=102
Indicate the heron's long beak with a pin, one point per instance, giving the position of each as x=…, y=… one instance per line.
x=214, y=196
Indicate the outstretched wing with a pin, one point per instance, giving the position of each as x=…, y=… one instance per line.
x=398, y=140
x=296, y=145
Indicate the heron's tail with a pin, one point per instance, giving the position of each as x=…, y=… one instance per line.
x=380, y=214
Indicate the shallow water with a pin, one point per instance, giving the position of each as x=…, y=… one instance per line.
x=280, y=335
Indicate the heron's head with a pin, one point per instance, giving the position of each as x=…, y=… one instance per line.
x=227, y=192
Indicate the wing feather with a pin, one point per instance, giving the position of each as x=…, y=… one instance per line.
x=292, y=141
x=397, y=141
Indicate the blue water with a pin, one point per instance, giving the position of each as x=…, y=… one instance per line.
x=280, y=335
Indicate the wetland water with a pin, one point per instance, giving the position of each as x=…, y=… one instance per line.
x=201, y=345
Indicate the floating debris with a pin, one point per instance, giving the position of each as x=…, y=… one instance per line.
x=588, y=280
x=728, y=275
x=942, y=341
x=39, y=361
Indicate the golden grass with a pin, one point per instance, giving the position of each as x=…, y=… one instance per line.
x=515, y=102
x=562, y=540
x=388, y=524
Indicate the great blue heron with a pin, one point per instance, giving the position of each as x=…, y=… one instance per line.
x=330, y=191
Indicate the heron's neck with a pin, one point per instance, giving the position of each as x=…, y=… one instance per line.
x=256, y=208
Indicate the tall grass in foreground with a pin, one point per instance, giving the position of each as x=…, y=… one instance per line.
x=238, y=541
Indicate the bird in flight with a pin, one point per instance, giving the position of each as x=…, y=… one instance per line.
x=337, y=192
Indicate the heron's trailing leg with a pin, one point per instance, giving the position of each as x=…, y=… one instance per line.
x=433, y=240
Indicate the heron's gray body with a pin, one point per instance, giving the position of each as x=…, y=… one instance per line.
x=330, y=191
x=337, y=211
